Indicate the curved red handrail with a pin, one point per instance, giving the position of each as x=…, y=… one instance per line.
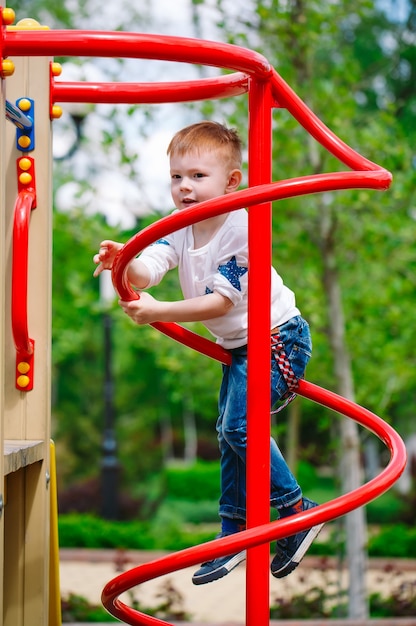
x=316, y=183
x=310, y=121
x=148, y=93
x=274, y=530
x=379, y=179
x=177, y=49
x=135, y=46
x=24, y=204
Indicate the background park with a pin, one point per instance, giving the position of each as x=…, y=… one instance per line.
x=133, y=412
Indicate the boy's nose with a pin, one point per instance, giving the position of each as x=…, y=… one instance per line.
x=186, y=183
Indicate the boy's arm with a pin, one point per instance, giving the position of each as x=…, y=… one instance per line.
x=138, y=274
x=147, y=309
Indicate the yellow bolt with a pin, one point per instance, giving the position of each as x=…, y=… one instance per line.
x=7, y=68
x=56, y=112
x=25, y=178
x=23, y=381
x=56, y=69
x=23, y=367
x=8, y=16
x=24, y=104
x=25, y=164
x=24, y=142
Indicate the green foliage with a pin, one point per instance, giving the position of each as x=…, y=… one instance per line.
x=87, y=531
x=179, y=523
x=401, y=602
x=166, y=531
x=308, y=605
x=76, y=608
x=200, y=481
x=396, y=540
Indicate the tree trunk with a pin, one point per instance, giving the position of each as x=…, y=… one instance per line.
x=350, y=457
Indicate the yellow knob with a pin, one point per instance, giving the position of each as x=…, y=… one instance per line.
x=7, y=68
x=8, y=16
x=23, y=380
x=23, y=367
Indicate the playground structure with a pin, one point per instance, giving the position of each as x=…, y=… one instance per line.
x=30, y=97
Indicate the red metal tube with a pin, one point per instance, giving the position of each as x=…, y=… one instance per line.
x=246, y=197
x=258, y=361
x=231, y=202
x=275, y=530
x=150, y=93
x=286, y=97
x=68, y=43
x=23, y=207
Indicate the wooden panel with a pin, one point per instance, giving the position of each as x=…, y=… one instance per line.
x=21, y=453
x=25, y=416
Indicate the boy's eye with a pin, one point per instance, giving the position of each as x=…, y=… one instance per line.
x=176, y=176
x=199, y=175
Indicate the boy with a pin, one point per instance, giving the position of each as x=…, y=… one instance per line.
x=212, y=258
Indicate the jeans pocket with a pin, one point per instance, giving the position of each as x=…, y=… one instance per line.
x=298, y=359
x=296, y=339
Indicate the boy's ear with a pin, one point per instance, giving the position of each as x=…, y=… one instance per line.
x=234, y=180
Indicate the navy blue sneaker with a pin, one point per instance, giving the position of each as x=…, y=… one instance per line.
x=217, y=568
x=291, y=550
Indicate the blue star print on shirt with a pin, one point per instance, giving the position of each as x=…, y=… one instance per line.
x=232, y=272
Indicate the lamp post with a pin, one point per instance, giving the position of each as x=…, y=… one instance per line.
x=109, y=466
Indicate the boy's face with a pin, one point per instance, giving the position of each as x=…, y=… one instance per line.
x=200, y=176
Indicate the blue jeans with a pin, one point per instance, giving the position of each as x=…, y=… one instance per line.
x=232, y=424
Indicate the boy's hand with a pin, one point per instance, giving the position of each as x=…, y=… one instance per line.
x=143, y=311
x=105, y=257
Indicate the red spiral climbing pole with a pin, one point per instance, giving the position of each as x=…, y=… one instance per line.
x=253, y=75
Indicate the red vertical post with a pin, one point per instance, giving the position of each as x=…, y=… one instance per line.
x=258, y=394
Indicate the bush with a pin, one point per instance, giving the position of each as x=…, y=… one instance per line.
x=401, y=603
x=166, y=532
x=87, y=531
x=77, y=609
x=197, y=482
x=86, y=497
x=202, y=512
x=398, y=541
x=169, y=531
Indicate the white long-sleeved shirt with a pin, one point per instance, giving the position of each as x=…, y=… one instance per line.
x=221, y=265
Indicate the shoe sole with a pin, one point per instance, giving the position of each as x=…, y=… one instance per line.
x=220, y=572
x=299, y=554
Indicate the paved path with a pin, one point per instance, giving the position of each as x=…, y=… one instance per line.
x=85, y=572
